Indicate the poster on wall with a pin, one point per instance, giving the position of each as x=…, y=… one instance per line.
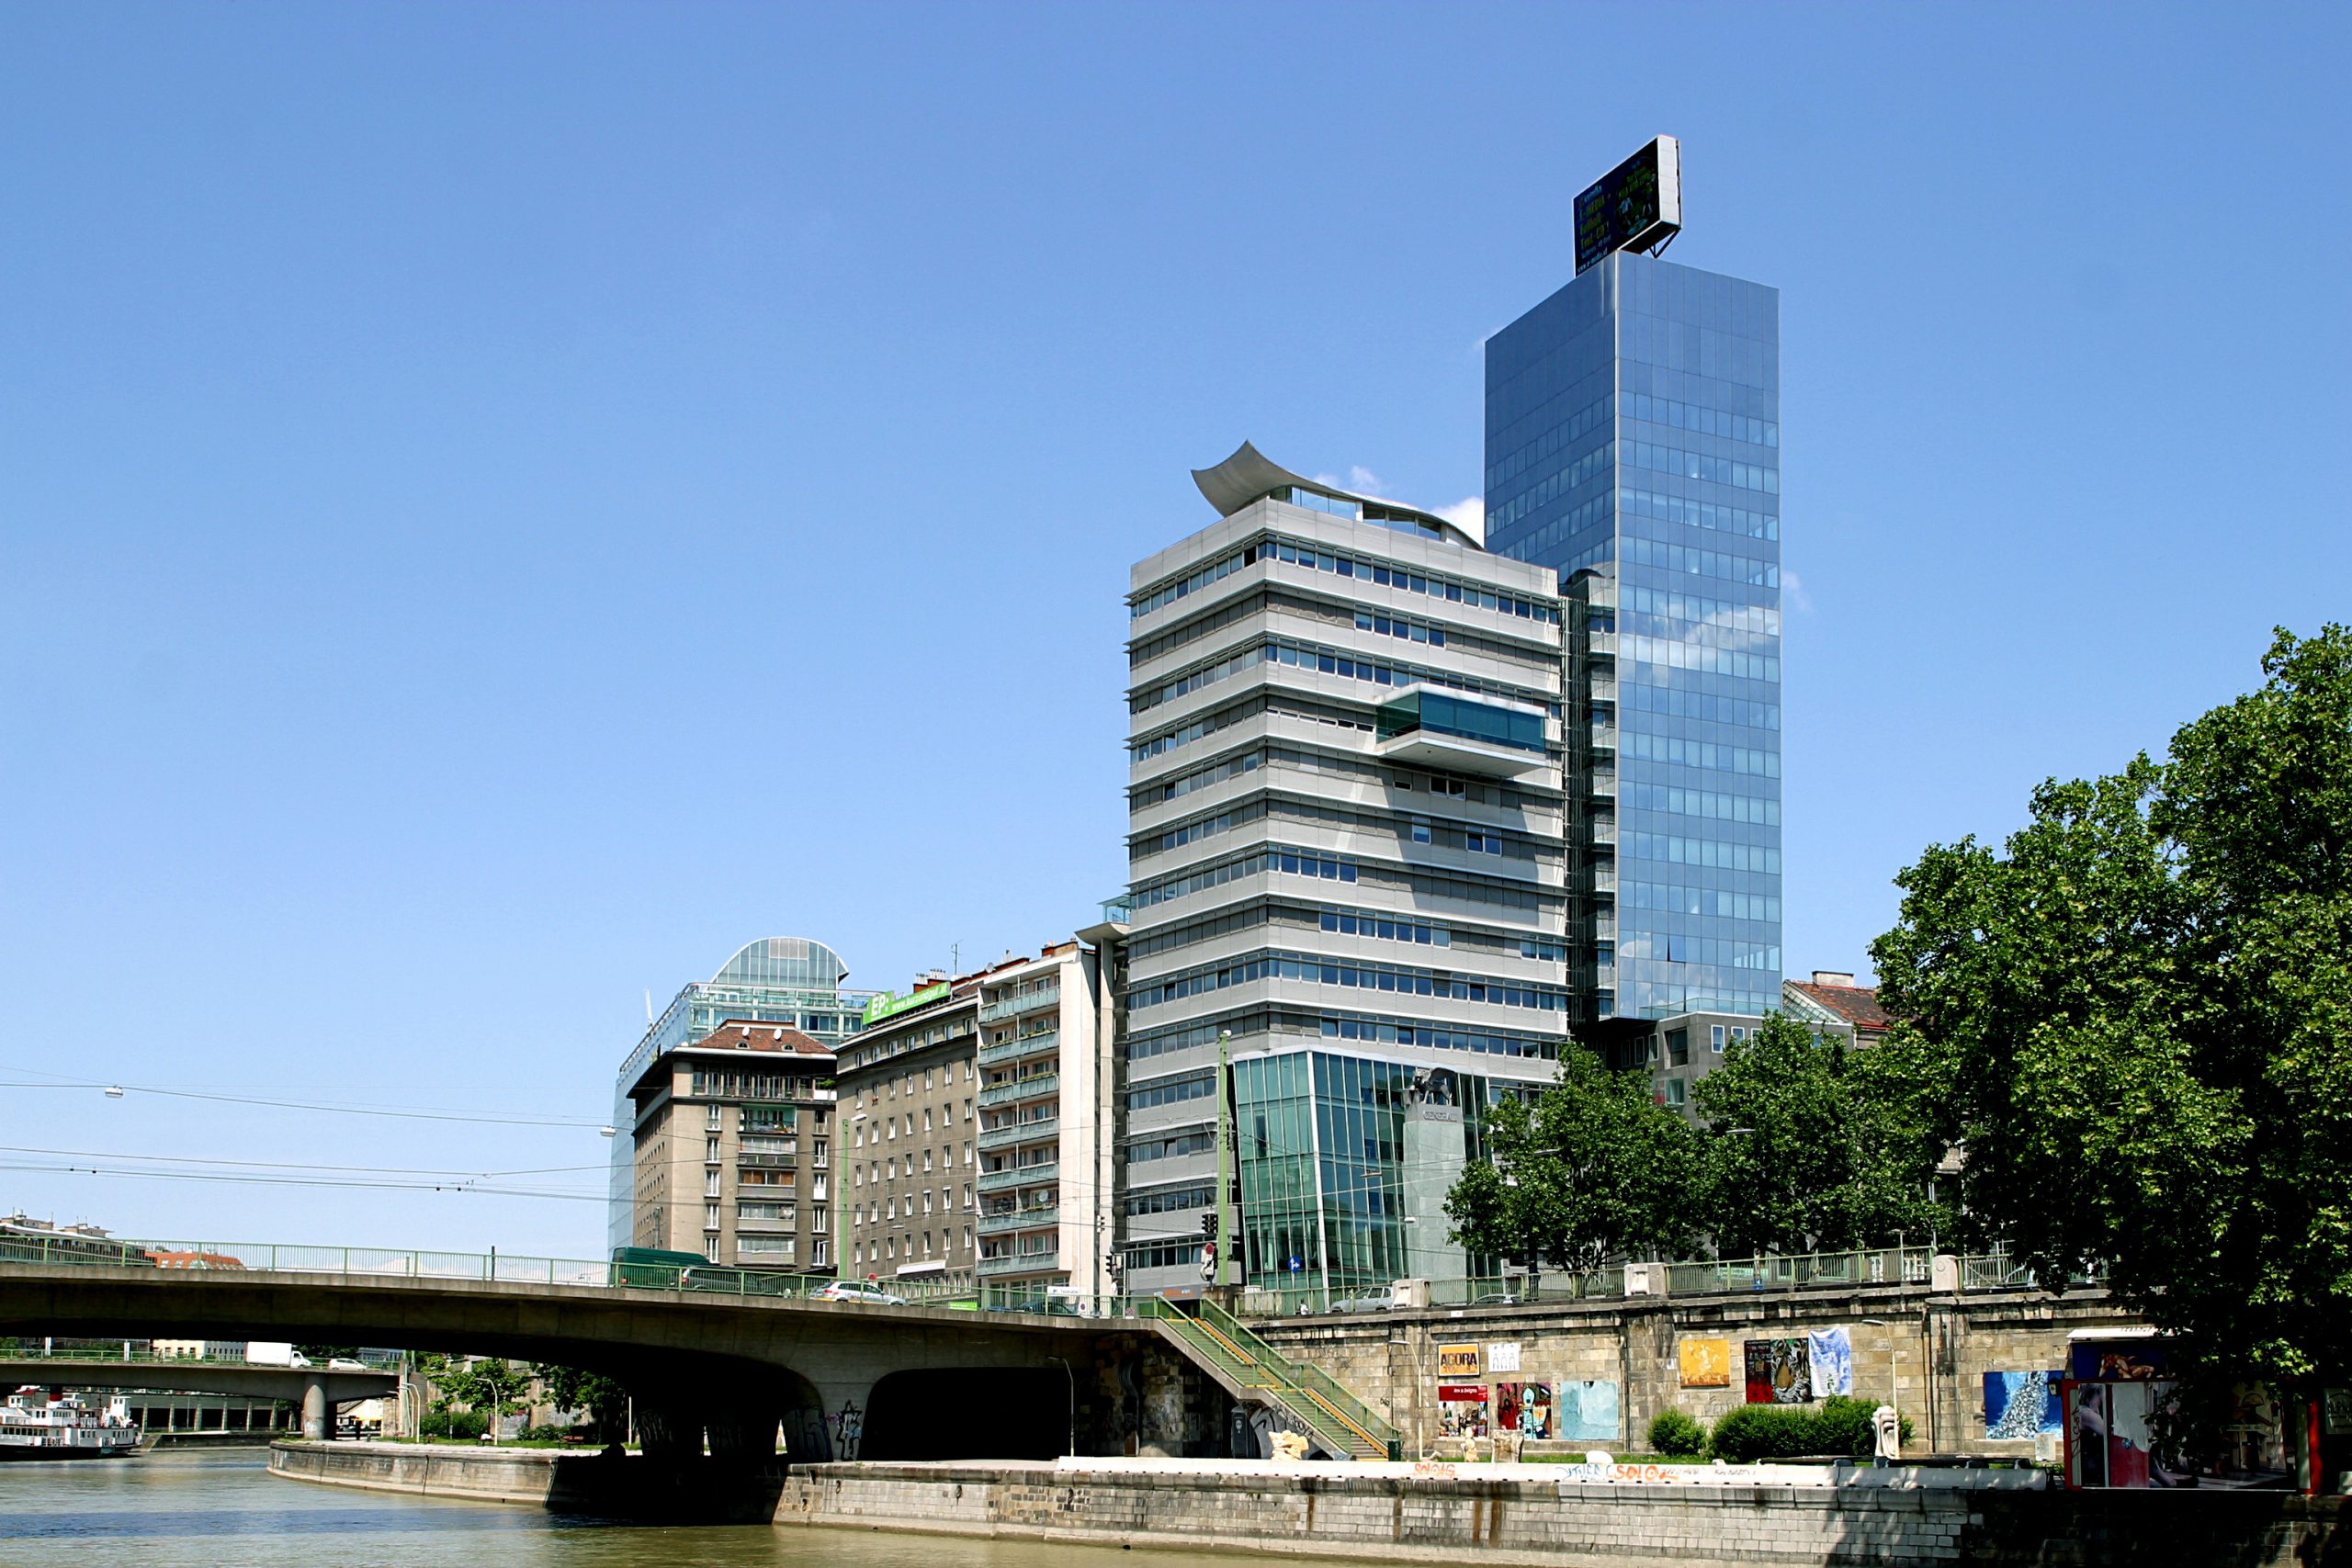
x=1462, y=1410
x=1779, y=1371
x=1536, y=1412
x=1588, y=1411
x=1460, y=1361
x=1829, y=1361
x=2021, y=1404
x=1507, y=1397
x=1503, y=1357
x=1706, y=1363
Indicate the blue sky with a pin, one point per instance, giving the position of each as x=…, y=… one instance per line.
x=499, y=505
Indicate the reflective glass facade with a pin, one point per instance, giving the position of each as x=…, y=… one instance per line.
x=1632, y=445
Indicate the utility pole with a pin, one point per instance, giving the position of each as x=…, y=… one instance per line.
x=1223, y=1152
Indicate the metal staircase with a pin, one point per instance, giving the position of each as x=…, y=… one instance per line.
x=1254, y=1372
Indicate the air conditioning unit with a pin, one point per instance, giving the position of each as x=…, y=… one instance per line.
x=1408, y=1292
x=1646, y=1278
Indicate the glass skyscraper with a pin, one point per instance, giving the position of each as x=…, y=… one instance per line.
x=1632, y=445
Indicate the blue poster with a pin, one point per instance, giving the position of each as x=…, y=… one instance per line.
x=1587, y=1412
x=2021, y=1404
x=1829, y=1353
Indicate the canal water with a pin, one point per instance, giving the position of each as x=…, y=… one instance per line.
x=224, y=1509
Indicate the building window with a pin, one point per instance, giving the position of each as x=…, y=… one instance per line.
x=1675, y=1091
x=710, y=1216
x=710, y=1182
x=710, y=1151
x=712, y=1118
x=1715, y=1038
x=820, y=1252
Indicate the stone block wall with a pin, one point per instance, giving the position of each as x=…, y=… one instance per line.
x=1929, y=1353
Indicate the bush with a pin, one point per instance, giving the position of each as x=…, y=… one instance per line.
x=548, y=1432
x=1839, y=1425
x=1672, y=1432
x=453, y=1424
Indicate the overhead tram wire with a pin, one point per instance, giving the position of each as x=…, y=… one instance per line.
x=394, y=1113
x=453, y=1185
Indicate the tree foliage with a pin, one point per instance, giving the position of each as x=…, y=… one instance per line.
x=493, y=1387
x=1811, y=1148
x=2136, y=1016
x=1589, y=1169
x=569, y=1387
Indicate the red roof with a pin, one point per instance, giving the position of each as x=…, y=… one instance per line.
x=737, y=1035
x=1857, y=1005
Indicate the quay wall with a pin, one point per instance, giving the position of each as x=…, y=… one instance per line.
x=487, y=1475
x=1533, y=1523
x=1926, y=1351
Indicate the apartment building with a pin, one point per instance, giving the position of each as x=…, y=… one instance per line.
x=1046, y=1122
x=733, y=1136
x=909, y=1091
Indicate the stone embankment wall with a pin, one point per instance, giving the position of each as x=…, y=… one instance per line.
x=1930, y=1352
x=491, y=1475
x=1531, y=1522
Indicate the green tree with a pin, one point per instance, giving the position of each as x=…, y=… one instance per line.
x=1811, y=1148
x=2136, y=1017
x=1591, y=1168
x=493, y=1387
x=569, y=1387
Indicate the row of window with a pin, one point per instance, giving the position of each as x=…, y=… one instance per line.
x=1167, y=1200
x=1274, y=547
x=1592, y=466
x=1700, y=513
x=1672, y=653
x=887, y=1249
x=1336, y=972
x=1171, y=1090
x=1144, y=1150
x=1718, y=902
x=1398, y=626
x=1700, y=754
x=1192, y=681
x=1722, y=613
x=1452, y=590
x=1289, y=861
x=1675, y=947
x=1354, y=667
x=751, y=1086
x=1638, y=551
x=1201, y=778
x=1705, y=420
x=1677, y=850
x=1706, y=802
x=1641, y=696
x=1566, y=432
x=1353, y=922
x=1396, y=1032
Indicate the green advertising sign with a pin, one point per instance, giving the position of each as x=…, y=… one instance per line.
x=889, y=1004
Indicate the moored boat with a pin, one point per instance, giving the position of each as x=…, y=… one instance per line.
x=33, y=1426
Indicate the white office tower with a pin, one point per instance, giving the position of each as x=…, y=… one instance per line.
x=1345, y=849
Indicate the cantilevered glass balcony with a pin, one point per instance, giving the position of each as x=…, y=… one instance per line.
x=1455, y=734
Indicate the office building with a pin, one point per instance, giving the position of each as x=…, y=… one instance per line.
x=733, y=1134
x=1633, y=450
x=782, y=979
x=1345, y=854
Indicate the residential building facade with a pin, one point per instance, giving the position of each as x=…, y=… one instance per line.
x=910, y=1088
x=1346, y=872
x=1634, y=449
x=782, y=979
x=733, y=1134
x=1046, y=1122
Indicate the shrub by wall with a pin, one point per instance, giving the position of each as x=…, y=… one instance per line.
x=1838, y=1425
x=1672, y=1432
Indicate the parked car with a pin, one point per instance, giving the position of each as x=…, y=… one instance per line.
x=1362, y=1304
x=864, y=1290
x=1495, y=1299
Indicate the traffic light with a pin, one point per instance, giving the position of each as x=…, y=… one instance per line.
x=1208, y=1223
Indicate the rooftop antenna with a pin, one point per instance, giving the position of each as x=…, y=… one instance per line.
x=955, y=957
x=649, y=1006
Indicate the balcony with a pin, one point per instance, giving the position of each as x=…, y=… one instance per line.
x=1042, y=1130
x=1018, y=1219
x=1015, y=1050
x=1604, y=880
x=1453, y=734
x=1597, y=831
x=769, y=1162
x=1600, y=645
x=1038, y=1087
x=1019, y=1263
x=1024, y=1176
x=1020, y=1002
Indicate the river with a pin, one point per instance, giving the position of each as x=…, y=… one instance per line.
x=223, y=1509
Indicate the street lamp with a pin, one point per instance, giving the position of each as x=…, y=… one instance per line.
x=1072, y=1376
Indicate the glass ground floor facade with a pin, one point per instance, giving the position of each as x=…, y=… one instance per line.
x=1344, y=1161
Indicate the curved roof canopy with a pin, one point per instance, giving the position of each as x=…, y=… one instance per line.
x=1250, y=476
x=784, y=961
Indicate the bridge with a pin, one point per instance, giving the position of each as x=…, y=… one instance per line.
x=319, y=1390
x=708, y=1354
